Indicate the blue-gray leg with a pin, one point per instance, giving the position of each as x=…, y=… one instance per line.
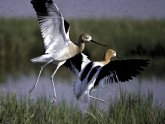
x=42, y=67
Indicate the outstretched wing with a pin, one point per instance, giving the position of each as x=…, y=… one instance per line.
x=121, y=70
x=77, y=63
x=54, y=29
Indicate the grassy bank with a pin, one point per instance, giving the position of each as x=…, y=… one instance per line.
x=20, y=40
x=133, y=109
x=128, y=37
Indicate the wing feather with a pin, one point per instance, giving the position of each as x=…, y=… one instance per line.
x=77, y=63
x=54, y=29
x=121, y=70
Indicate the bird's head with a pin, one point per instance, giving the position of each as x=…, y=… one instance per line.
x=109, y=54
x=86, y=38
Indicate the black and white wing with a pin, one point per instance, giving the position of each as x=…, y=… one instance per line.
x=77, y=63
x=121, y=70
x=54, y=29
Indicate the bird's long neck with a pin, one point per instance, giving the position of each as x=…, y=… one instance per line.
x=106, y=59
x=81, y=46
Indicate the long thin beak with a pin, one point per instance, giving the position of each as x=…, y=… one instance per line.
x=118, y=56
x=99, y=43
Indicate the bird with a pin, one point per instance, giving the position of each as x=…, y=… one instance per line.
x=92, y=74
x=55, y=33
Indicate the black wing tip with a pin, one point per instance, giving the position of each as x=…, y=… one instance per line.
x=144, y=62
x=41, y=6
x=38, y=4
x=141, y=62
x=41, y=1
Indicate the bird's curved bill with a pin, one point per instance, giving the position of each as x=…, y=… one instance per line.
x=99, y=43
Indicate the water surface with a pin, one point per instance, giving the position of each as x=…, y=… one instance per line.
x=64, y=88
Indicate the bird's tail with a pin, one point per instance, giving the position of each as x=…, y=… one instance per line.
x=80, y=91
x=77, y=88
x=41, y=59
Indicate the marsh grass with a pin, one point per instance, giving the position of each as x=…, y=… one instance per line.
x=129, y=109
x=127, y=36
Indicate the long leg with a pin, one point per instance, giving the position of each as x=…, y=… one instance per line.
x=42, y=67
x=52, y=78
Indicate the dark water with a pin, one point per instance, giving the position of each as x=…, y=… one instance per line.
x=64, y=88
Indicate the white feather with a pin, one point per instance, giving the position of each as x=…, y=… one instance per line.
x=82, y=88
x=42, y=59
x=52, y=29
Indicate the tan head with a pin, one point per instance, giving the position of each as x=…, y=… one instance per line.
x=108, y=55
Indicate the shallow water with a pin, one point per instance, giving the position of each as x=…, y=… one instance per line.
x=64, y=88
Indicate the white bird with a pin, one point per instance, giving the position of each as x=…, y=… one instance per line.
x=91, y=74
x=55, y=32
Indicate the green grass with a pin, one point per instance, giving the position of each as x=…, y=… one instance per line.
x=130, y=109
x=20, y=40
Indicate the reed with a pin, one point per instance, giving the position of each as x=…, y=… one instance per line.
x=130, y=109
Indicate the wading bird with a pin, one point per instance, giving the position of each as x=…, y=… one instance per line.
x=91, y=74
x=55, y=32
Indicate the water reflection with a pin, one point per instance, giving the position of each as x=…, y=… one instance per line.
x=64, y=88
